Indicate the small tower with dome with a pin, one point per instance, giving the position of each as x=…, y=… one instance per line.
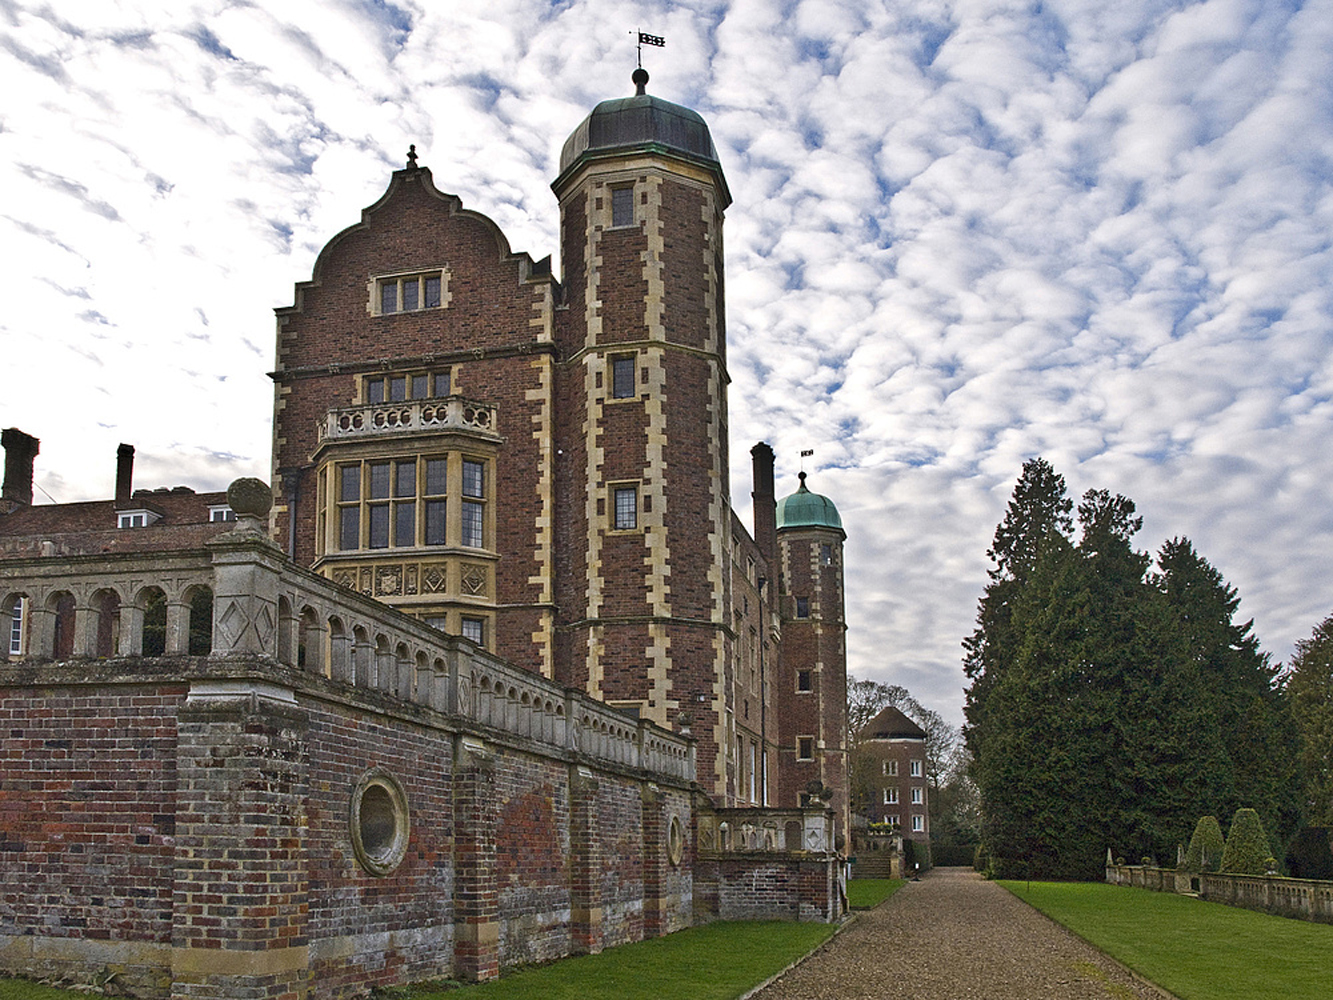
x=812, y=686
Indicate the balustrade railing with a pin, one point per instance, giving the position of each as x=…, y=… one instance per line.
x=446, y=413
x=749, y=829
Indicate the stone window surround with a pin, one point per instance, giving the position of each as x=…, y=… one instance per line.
x=616, y=492
x=620, y=206
x=622, y=376
x=331, y=504
x=374, y=303
x=417, y=383
x=378, y=799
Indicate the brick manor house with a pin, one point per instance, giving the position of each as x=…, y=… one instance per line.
x=535, y=466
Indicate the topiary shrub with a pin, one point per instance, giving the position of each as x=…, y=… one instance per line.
x=1247, y=848
x=1205, y=851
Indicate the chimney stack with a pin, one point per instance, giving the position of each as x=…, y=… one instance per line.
x=20, y=450
x=765, y=503
x=124, y=474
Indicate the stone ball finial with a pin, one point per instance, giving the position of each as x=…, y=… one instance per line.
x=250, y=497
x=640, y=80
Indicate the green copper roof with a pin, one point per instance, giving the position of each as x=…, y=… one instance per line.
x=642, y=123
x=804, y=509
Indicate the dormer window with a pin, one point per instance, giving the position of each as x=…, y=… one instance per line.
x=409, y=292
x=221, y=512
x=135, y=518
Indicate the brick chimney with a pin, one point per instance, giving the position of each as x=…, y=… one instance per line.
x=124, y=474
x=765, y=503
x=20, y=450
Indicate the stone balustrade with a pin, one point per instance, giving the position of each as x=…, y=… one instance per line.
x=751, y=829
x=1303, y=899
x=450, y=413
x=265, y=608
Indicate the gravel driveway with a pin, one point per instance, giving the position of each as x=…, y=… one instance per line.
x=952, y=936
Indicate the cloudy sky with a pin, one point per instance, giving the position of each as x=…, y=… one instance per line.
x=964, y=234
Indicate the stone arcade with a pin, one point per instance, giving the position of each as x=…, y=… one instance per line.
x=500, y=677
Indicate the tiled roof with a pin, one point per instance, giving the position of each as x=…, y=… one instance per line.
x=892, y=724
x=91, y=526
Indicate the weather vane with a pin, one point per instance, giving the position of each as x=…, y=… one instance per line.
x=805, y=453
x=647, y=39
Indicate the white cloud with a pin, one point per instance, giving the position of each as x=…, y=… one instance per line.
x=963, y=234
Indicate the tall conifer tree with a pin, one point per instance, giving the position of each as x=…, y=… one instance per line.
x=1099, y=694
x=1309, y=688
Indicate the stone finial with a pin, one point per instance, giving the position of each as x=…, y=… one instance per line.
x=251, y=499
x=412, y=157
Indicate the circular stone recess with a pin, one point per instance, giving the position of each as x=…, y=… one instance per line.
x=379, y=822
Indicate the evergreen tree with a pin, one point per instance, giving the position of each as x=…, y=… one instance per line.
x=1104, y=703
x=1246, y=852
x=1238, y=690
x=1038, y=515
x=1309, y=691
x=1205, y=851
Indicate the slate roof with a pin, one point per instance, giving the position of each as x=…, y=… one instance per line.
x=892, y=724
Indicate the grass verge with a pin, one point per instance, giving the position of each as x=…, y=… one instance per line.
x=1196, y=950
x=719, y=961
x=867, y=893
x=26, y=989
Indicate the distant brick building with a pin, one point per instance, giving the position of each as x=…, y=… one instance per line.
x=894, y=748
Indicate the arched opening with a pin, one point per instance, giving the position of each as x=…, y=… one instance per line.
x=362, y=651
x=307, y=640
x=62, y=604
x=402, y=671
x=287, y=627
x=201, y=622
x=383, y=664
x=340, y=651
x=154, y=604
x=107, y=641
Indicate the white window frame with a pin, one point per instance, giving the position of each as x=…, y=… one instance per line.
x=916, y=769
x=918, y=796
x=918, y=823
x=890, y=796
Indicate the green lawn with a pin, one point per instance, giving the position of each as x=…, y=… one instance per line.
x=23, y=989
x=718, y=961
x=867, y=893
x=1196, y=950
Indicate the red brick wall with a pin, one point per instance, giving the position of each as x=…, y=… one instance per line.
x=221, y=828
x=86, y=854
